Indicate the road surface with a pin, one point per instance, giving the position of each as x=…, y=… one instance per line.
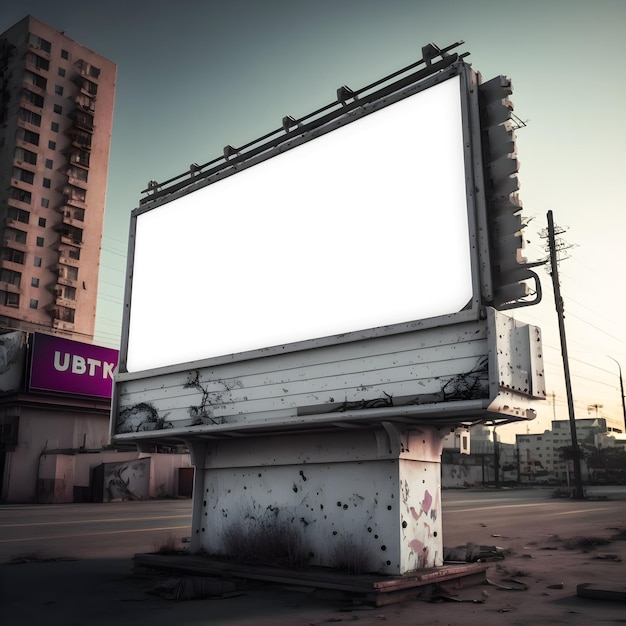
x=119, y=530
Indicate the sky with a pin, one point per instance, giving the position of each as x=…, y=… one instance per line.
x=194, y=76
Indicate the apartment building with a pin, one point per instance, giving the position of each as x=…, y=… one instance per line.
x=56, y=116
x=540, y=454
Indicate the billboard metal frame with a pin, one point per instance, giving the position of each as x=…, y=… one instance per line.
x=350, y=107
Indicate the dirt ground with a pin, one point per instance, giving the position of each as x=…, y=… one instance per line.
x=535, y=583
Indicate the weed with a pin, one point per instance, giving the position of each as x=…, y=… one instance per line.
x=586, y=543
x=169, y=546
x=268, y=542
x=351, y=557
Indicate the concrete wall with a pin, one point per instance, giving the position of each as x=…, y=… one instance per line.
x=48, y=430
x=60, y=473
x=48, y=461
x=372, y=495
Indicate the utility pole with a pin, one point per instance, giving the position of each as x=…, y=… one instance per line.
x=558, y=300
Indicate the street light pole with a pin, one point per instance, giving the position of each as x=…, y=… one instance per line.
x=621, y=385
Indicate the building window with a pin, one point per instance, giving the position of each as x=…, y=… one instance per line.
x=19, y=236
x=49, y=164
x=42, y=222
x=23, y=175
x=72, y=272
x=20, y=194
x=21, y=154
x=58, y=90
x=28, y=136
x=54, y=127
x=45, y=203
x=69, y=293
x=46, y=183
x=79, y=174
x=11, y=277
x=18, y=215
x=58, y=109
x=65, y=314
x=34, y=282
x=34, y=79
x=40, y=242
x=87, y=103
x=52, y=145
x=34, y=303
x=37, y=61
x=37, y=261
x=37, y=42
x=15, y=256
x=9, y=299
x=61, y=71
x=29, y=117
x=65, y=54
x=32, y=98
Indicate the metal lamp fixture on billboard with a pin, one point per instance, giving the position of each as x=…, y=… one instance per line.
x=510, y=270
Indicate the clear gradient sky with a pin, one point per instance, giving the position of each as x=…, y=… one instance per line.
x=194, y=76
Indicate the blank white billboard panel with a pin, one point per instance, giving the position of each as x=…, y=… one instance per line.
x=362, y=227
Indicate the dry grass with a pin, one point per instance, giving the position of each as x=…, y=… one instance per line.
x=268, y=542
x=351, y=557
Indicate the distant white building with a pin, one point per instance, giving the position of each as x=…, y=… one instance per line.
x=469, y=459
x=540, y=455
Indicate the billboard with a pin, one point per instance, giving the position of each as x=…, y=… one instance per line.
x=66, y=366
x=12, y=358
x=365, y=222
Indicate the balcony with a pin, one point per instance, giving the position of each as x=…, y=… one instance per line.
x=5, y=264
x=74, y=218
x=14, y=245
x=34, y=67
x=70, y=240
x=40, y=91
x=66, y=282
x=77, y=182
x=66, y=303
x=66, y=259
x=61, y=315
x=79, y=158
x=83, y=121
x=86, y=85
x=35, y=48
x=10, y=287
x=73, y=199
x=88, y=70
x=80, y=140
x=61, y=325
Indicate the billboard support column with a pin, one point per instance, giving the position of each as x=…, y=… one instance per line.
x=366, y=499
x=198, y=454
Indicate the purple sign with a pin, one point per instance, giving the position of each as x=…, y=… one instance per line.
x=71, y=366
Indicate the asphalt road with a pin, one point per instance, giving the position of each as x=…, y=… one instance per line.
x=120, y=530
x=91, y=531
x=100, y=588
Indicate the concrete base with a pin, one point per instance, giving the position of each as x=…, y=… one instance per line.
x=357, y=500
x=371, y=589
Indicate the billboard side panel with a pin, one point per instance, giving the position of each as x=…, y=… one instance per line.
x=437, y=365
